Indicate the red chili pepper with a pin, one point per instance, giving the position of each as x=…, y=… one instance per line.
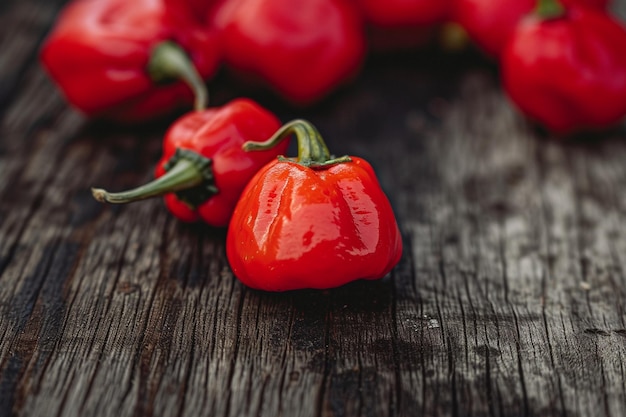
x=303, y=49
x=313, y=221
x=204, y=168
x=117, y=58
x=568, y=70
x=397, y=13
x=490, y=23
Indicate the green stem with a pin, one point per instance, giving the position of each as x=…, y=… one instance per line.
x=312, y=150
x=453, y=37
x=169, y=61
x=549, y=9
x=188, y=174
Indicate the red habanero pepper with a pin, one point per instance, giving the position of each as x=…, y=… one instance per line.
x=303, y=49
x=117, y=59
x=313, y=221
x=395, y=13
x=567, y=71
x=490, y=23
x=204, y=168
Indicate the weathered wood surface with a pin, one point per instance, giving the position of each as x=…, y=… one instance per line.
x=509, y=300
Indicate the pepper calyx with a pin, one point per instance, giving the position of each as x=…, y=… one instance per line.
x=196, y=195
x=549, y=9
x=312, y=150
x=188, y=174
x=169, y=62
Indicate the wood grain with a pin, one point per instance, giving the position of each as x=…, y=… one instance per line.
x=509, y=299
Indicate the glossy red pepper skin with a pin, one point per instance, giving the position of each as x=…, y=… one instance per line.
x=569, y=72
x=204, y=169
x=302, y=49
x=490, y=23
x=99, y=50
x=299, y=227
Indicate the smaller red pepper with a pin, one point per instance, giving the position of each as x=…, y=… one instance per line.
x=313, y=221
x=117, y=59
x=303, y=49
x=567, y=71
x=204, y=168
x=405, y=13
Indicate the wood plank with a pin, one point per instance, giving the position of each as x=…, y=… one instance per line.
x=23, y=26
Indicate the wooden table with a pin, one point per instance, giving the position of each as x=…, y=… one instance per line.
x=509, y=300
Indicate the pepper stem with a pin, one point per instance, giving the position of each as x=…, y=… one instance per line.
x=168, y=61
x=312, y=150
x=549, y=9
x=188, y=173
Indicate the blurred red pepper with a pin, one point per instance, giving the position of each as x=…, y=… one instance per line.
x=118, y=59
x=490, y=23
x=313, y=221
x=567, y=69
x=204, y=168
x=397, y=13
x=303, y=49
x=199, y=7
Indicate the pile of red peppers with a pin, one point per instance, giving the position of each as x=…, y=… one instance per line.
x=562, y=62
